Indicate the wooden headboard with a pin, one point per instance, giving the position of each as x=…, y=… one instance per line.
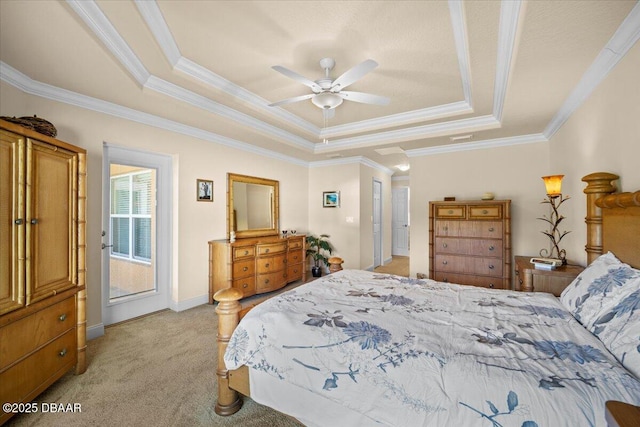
x=613, y=220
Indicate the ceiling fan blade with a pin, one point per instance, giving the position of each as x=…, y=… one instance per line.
x=365, y=98
x=297, y=77
x=352, y=75
x=292, y=100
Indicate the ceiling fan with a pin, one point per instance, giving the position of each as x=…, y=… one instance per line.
x=328, y=93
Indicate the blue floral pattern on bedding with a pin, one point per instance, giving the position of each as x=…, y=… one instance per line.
x=410, y=352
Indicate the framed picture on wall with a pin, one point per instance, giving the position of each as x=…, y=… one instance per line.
x=204, y=190
x=330, y=199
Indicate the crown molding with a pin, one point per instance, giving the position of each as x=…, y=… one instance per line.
x=478, y=145
x=417, y=132
x=460, y=35
x=622, y=40
x=43, y=90
x=401, y=178
x=507, y=34
x=152, y=15
x=425, y=114
x=361, y=160
x=91, y=14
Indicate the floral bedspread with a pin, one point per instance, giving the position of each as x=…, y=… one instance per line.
x=409, y=352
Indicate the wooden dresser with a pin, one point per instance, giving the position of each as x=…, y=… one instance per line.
x=42, y=260
x=256, y=265
x=470, y=242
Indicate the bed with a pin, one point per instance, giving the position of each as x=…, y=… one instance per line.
x=359, y=348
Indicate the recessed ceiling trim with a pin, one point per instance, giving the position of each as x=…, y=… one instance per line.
x=478, y=145
x=15, y=78
x=425, y=114
x=351, y=160
x=622, y=40
x=460, y=35
x=152, y=15
x=91, y=14
x=507, y=33
x=399, y=135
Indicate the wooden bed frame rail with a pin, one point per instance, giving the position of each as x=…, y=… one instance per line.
x=611, y=221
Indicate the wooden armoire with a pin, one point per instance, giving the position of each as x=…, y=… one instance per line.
x=42, y=262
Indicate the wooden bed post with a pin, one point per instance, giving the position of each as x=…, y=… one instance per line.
x=599, y=184
x=229, y=401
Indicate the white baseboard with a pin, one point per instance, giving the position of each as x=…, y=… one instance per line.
x=95, y=331
x=190, y=303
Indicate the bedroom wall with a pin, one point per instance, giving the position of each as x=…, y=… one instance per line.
x=509, y=172
x=195, y=223
x=603, y=135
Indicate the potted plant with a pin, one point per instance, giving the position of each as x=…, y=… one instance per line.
x=317, y=246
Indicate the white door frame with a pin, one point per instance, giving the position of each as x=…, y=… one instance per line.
x=113, y=312
x=377, y=237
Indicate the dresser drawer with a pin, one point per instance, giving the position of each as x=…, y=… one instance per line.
x=246, y=285
x=271, y=248
x=244, y=268
x=295, y=244
x=295, y=257
x=485, y=212
x=484, y=229
x=294, y=272
x=271, y=264
x=30, y=376
x=244, y=252
x=451, y=211
x=271, y=281
x=466, y=279
x=468, y=265
x=43, y=326
x=465, y=246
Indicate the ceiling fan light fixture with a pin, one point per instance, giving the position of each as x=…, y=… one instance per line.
x=326, y=100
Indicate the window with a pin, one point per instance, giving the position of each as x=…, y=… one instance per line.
x=131, y=209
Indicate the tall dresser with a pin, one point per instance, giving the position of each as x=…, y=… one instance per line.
x=470, y=242
x=256, y=265
x=42, y=260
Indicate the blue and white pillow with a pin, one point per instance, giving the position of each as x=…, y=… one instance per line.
x=605, y=298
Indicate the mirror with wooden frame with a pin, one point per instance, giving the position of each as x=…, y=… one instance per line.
x=252, y=206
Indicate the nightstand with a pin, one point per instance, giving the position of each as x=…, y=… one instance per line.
x=529, y=279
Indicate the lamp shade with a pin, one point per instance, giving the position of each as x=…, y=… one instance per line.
x=553, y=184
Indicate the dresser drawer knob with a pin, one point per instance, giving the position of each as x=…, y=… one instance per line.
x=491, y=285
x=491, y=229
x=62, y=317
x=450, y=211
x=245, y=268
x=445, y=262
x=266, y=282
x=246, y=252
x=266, y=251
x=491, y=248
x=62, y=352
x=245, y=286
x=284, y=261
x=444, y=245
x=491, y=267
x=484, y=211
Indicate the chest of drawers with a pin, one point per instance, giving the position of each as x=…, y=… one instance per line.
x=255, y=265
x=470, y=243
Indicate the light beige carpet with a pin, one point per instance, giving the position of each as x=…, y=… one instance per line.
x=399, y=265
x=157, y=370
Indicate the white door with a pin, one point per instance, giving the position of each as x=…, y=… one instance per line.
x=377, y=223
x=136, y=266
x=400, y=221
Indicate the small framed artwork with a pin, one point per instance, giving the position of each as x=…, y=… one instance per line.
x=330, y=199
x=204, y=190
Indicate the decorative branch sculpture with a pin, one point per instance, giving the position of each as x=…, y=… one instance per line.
x=554, y=233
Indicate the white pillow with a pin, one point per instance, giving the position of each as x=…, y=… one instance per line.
x=587, y=294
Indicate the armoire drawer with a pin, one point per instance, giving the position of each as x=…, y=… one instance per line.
x=43, y=326
x=40, y=369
